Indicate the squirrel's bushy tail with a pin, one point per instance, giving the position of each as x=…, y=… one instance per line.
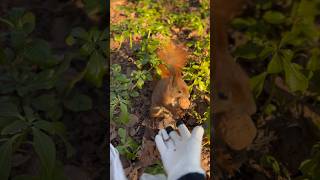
x=173, y=57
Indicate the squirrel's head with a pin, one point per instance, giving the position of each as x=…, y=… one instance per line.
x=179, y=91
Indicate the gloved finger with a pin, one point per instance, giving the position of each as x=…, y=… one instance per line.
x=113, y=151
x=169, y=129
x=175, y=137
x=167, y=139
x=116, y=169
x=197, y=133
x=183, y=130
x=160, y=144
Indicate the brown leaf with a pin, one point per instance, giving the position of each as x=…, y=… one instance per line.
x=149, y=153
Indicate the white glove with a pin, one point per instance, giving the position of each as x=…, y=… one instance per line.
x=146, y=176
x=180, y=154
x=116, y=169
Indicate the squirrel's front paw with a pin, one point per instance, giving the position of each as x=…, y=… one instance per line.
x=184, y=103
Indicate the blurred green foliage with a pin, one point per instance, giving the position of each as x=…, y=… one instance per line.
x=35, y=93
x=281, y=39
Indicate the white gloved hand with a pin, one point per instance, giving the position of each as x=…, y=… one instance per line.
x=116, y=169
x=146, y=176
x=180, y=154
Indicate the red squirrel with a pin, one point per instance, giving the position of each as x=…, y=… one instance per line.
x=232, y=83
x=170, y=94
x=233, y=100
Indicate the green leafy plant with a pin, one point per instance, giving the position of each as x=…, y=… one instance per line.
x=91, y=47
x=286, y=42
x=199, y=71
x=121, y=90
x=279, y=170
x=35, y=93
x=310, y=167
x=155, y=169
x=127, y=146
x=281, y=40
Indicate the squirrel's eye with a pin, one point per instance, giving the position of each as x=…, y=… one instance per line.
x=222, y=96
x=179, y=91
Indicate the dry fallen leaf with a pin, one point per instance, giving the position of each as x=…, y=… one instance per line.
x=148, y=154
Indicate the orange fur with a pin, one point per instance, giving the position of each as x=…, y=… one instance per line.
x=173, y=56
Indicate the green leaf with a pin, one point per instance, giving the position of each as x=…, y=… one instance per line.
x=314, y=61
x=46, y=79
x=266, y=52
x=60, y=130
x=29, y=113
x=87, y=49
x=38, y=52
x=248, y=51
x=291, y=38
x=8, y=113
x=70, y=40
x=45, y=102
x=155, y=169
x=46, y=150
x=140, y=83
x=294, y=78
x=122, y=133
x=121, y=149
x=79, y=33
x=270, y=109
x=29, y=21
x=257, y=83
x=9, y=109
x=15, y=14
x=94, y=34
x=124, y=115
x=271, y=162
x=307, y=166
x=241, y=23
x=45, y=125
x=275, y=65
x=274, y=17
x=7, y=22
x=78, y=102
x=134, y=94
x=17, y=39
x=5, y=160
x=55, y=113
x=95, y=69
x=15, y=127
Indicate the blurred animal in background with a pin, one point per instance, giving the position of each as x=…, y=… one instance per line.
x=233, y=100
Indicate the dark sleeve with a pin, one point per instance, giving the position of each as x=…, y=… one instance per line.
x=193, y=176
